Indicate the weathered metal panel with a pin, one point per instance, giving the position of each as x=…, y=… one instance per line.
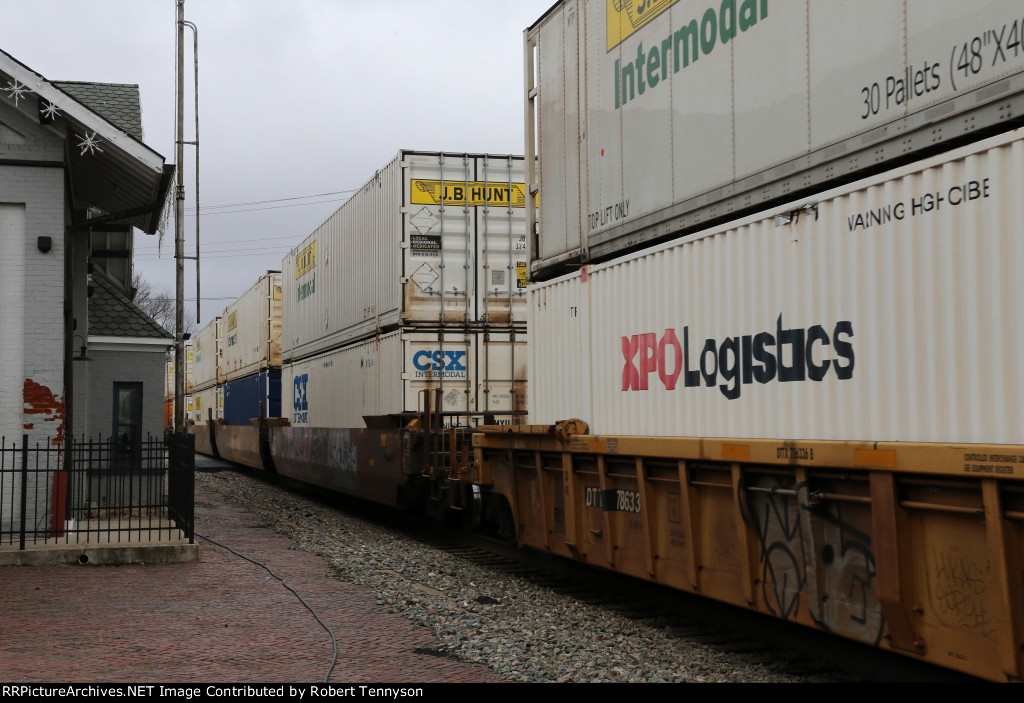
x=654, y=117
x=367, y=464
x=394, y=373
x=239, y=444
x=886, y=310
x=406, y=250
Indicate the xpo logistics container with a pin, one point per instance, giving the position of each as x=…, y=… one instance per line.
x=888, y=310
x=432, y=240
x=653, y=118
x=479, y=372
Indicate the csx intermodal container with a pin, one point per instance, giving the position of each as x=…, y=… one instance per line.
x=651, y=118
x=431, y=240
x=252, y=329
x=207, y=349
x=402, y=371
x=891, y=309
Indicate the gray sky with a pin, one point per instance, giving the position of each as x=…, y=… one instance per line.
x=296, y=98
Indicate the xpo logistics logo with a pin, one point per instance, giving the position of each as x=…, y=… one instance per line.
x=440, y=363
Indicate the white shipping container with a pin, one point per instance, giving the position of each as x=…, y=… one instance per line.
x=169, y=373
x=252, y=329
x=209, y=399
x=891, y=309
x=477, y=372
x=653, y=116
x=207, y=349
x=432, y=240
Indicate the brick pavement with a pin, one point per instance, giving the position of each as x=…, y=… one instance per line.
x=221, y=619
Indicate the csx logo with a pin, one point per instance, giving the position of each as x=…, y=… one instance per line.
x=439, y=360
x=299, y=401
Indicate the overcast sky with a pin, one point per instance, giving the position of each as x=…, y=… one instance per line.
x=296, y=98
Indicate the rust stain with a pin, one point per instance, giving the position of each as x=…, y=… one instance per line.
x=40, y=400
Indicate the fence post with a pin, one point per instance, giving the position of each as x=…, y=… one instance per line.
x=24, y=488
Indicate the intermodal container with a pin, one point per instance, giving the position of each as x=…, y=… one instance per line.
x=891, y=309
x=254, y=396
x=252, y=329
x=432, y=240
x=169, y=374
x=206, y=356
x=652, y=118
x=400, y=372
x=208, y=402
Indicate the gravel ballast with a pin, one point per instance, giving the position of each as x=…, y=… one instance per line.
x=521, y=631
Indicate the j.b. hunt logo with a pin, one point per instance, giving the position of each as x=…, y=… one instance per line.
x=439, y=364
x=788, y=355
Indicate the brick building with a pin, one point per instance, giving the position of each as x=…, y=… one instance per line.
x=75, y=179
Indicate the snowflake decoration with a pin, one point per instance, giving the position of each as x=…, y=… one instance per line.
x=16, y=90
x=89, y=143
x=50, y=112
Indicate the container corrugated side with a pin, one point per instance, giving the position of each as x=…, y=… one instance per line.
x=252, y=329
x=656, y=119
x=253, y=396
x=391, y=374
x=206, y=356
x=432, y=240
x=888, y=310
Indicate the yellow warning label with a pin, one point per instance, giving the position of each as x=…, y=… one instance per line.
x=626, y=17
x=522, y=278
x=277, y=292
x=473, y=193
x=305, y=261
x=232, y=320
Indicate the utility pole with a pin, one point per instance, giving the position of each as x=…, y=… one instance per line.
x=179, y=231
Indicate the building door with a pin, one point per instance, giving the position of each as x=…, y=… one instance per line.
x=127, y=425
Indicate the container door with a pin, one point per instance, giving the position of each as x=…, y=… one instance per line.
x=502, y=252
x=439, y=271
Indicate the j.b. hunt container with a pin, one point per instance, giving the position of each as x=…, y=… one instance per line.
x=432, y=240
x=252, y=329
x=656, y=117
x=891, y=309
x=403, y=371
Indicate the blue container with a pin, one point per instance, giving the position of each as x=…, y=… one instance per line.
x=242, y=397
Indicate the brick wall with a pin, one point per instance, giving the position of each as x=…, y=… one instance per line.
x=31, y=351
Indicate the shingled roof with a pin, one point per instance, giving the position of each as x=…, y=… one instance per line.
x=112, y=314
x=118, y=103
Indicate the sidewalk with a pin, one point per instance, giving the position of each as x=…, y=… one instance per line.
x=219, y=619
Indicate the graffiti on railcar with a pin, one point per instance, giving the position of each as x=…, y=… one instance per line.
x=810, y=554
x=961, y=591
x=343, y=458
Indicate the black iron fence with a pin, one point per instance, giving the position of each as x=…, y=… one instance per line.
x=96, y=491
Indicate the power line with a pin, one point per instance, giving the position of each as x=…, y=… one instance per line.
x=275, y=200
x=274, y=207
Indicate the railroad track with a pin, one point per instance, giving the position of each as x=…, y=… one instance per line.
x=788, y=648
x=791, y=650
